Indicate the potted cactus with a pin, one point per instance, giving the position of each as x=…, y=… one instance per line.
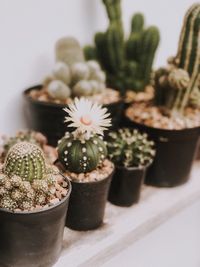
x=29, y=136
x=173, y=118
x=33, y=204
x=83, y=157
x=132, y=153
x=126, y=61
x=72, y=76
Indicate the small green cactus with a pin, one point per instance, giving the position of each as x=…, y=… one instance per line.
x=84, y=149
x=130, y=148
x=69, y=51
x=81, y=156
x=25, y=160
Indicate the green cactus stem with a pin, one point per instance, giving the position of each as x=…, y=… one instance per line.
x=182, y=77
x=188, y=50
x=25, y=160
x=81, y=156
x=90, y=52
x=116, y=54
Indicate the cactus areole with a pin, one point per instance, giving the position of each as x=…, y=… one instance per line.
x=84, y=149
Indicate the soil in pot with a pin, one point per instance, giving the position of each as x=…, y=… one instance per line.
x=33, y=205
x=175, y=139
x=88, y=198
x=126, y=186
x=47, y=116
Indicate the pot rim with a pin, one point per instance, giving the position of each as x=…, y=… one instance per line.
x=134, y=168
x=161, y=129
x=52, y=104
x=46, y=209
x=95, y=182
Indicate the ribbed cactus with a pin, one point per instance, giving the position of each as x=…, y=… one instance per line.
x=130, y=148
x=81, y=156
x=188, y=50
x=179, y=84
x=25, y=160
x=128, y=64
x=84, y=149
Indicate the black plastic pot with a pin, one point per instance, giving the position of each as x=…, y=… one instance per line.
x=126, y=186
x=175, y=153
x=87, y=204
x=48, y=118
x=32, y=239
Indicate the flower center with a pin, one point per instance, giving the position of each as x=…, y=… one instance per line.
x=86, y=120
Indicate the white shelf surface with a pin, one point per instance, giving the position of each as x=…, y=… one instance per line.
x=124, y=226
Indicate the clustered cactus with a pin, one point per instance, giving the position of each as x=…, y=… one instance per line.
x=72, y=75
x=25, y=180
x=84, y=149
x=177, y=86
x=130, y=148
x=128, y=63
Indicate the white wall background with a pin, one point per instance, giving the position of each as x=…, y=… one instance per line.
x=29, y=29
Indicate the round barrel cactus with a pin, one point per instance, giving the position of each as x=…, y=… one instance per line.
x=81, y=156
x=25, y=160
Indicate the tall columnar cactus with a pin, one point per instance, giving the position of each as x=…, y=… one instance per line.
x=25, y=160
x=128, y=64
x=178, y=84
x=188, y=50
x=84, y=150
